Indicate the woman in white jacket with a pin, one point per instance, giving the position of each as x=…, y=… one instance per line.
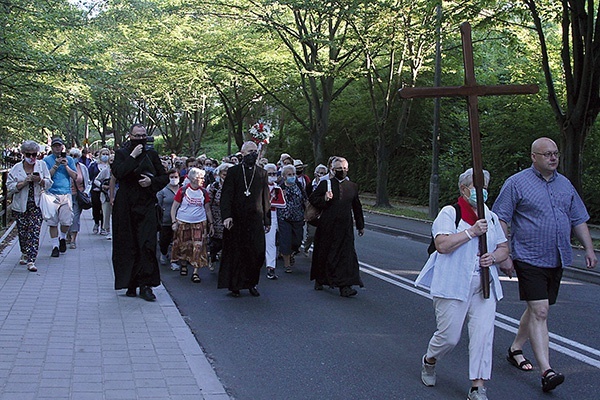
x=452, y=274
x=25, y=182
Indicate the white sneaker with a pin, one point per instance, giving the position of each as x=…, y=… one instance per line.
x=478, y=394
x=103, y=232
x=428, y=375
x=174, y=267
x=109, y=237
x=31, y=267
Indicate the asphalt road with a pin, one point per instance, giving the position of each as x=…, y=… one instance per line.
x=297, y=343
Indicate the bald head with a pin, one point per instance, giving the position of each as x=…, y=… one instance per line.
x=542, y=143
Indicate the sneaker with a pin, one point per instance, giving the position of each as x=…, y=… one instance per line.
x=163, y=260
x=23, y=259
x=478, y=394
x=72, y=245
x=31, y=267
x=271, y=273
x=288, y=270
x=103, y=232
x=55, y=252
x=428, y=376
x=96, y=227
x=174, y=267
x=62, y=245
x=109, y=237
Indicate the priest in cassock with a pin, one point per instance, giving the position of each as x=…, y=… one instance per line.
x=140, y=175
x=334, y=261
x=246, y=214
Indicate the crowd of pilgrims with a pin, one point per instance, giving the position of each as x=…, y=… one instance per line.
x=191, y=226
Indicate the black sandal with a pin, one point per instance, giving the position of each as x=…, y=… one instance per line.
x=196, y=278
x=511, y=359
x=551, y=379
x=183, y=271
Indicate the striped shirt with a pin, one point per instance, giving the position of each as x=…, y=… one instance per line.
x=541, y=214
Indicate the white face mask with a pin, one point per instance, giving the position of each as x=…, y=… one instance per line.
x=272, y=179
x=174, y=181
x=30, y=160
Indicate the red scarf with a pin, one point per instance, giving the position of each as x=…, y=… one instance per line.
x=466, y=211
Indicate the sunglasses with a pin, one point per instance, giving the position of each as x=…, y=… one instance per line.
x=31, y=154
x=272, y=173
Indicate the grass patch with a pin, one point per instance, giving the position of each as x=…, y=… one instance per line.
x=399, y=211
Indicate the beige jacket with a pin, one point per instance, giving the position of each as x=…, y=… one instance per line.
x=17, y=174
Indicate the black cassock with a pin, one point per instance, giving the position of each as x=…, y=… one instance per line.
x=244, y=244
x=134, y=219
x=334, y=260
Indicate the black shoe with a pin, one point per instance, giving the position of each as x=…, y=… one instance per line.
x=62, y=245
x=254, y=292
x=551, y=379
x=347, y=291
x=131, y=292
x=55, y=252
x=318, y=286
x=146, y=293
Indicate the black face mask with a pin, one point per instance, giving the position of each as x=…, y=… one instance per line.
x=250, y=159
x=339, y=175
x=299, y=171
x=135, y=142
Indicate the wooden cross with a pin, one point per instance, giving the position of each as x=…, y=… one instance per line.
x=471, y=90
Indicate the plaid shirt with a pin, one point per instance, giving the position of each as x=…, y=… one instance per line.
x=541, y=214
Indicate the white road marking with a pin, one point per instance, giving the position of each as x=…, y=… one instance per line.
x=557, y=342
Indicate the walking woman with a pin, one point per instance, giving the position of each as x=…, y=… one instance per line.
x=82, y=184
x=190, y=215
x=25, y=182
x=452, y=274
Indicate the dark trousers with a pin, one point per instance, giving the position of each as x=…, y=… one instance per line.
x=97, y=208
x=165, y=237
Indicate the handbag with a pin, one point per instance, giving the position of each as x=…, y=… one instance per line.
x=312, y=213
x=84, y=200
x=48, y=205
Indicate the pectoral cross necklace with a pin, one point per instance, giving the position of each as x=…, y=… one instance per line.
x=247, y=192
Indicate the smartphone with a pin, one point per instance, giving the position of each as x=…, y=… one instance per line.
x=36, y=173
x=63, y=154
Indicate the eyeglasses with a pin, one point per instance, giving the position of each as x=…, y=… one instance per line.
x=142, y=136
x=549, y=154
x=31, y=154
x=272, y=173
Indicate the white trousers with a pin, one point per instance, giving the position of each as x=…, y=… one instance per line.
x=271, y=242
x=450, y=316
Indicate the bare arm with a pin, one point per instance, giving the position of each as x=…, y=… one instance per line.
x=582, y=233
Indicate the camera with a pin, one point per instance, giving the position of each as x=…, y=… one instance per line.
x=150, y=143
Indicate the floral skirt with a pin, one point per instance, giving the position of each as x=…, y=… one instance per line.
x=190, y=244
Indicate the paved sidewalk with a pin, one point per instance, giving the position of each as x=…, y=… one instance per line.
x=66, y=334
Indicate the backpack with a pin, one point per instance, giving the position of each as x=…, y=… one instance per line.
x=431, y=247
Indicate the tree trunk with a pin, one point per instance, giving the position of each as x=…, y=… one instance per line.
x=571, y=161
x=383, y=165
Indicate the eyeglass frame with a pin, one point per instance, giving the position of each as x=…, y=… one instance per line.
x=549, y=154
